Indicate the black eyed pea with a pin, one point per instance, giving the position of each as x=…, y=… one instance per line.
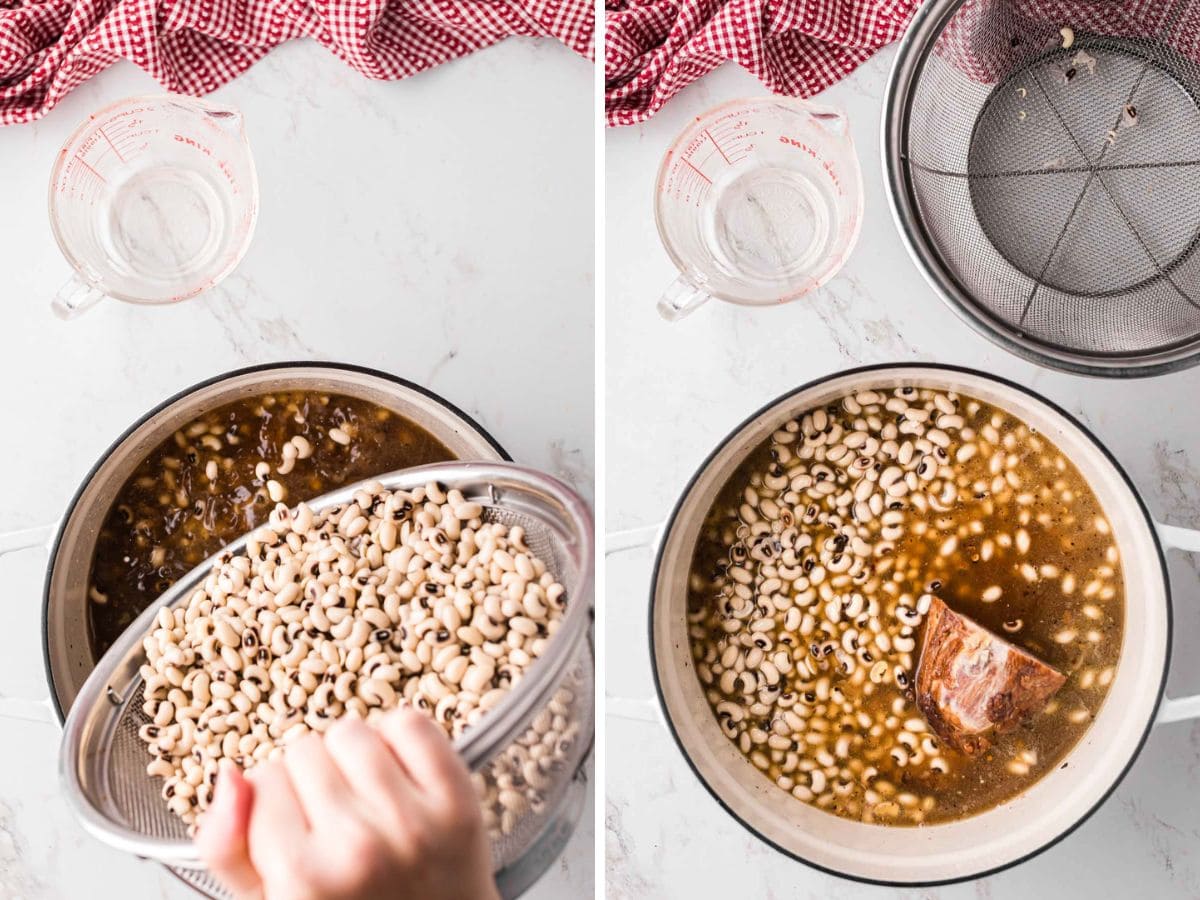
x=164, y=714
x=376, y=692
x=387, y=672
x=446, y=708
x=339, y=630
x=470, y=635
x=519, y=658
x=475, y=679
x=491, y=698
x=377, y=618
x=179, y=698
x=296, y=654
x=424, y=653
x=319, y=722
x=357, y=707
x=307, y=681
x=444, y=655
x=323, y=697
x=344, y=687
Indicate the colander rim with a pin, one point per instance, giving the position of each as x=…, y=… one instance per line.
x=914, y=49
x=477, y=746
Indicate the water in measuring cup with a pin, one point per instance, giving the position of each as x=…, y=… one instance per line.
x=152, y=200
x=166, y=222
x=767, y=224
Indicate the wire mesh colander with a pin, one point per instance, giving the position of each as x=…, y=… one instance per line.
x=1042, y=160
x=103, y=761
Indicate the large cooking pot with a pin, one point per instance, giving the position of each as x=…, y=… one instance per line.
x=993, y=840
x=66, y=646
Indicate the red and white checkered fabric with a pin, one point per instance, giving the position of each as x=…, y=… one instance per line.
x=48, y=47
x=988, y=39
x=653, y=48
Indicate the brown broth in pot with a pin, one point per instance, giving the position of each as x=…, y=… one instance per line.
x=212, y=482
x=818, y=560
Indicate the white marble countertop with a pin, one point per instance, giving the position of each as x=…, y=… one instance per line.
x=673, y=391
x=439, y=228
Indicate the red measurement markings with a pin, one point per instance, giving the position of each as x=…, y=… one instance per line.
x=83, y=163
x=799, y=145
x=718, y=146
x=104, y=135
x=697, y=171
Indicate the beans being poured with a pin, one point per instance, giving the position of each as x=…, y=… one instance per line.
x=819, y=561
x=219, y=476
x=396, y=598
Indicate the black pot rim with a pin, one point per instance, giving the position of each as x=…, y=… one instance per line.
x=863, y=370
x=179, y=395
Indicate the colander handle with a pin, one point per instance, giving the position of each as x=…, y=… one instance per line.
x=16, y=707
x=1179, y=709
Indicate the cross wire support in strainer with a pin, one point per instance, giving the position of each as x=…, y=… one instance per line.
x=103, y=761
x=1043, y=168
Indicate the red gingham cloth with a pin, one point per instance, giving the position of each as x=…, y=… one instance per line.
x=987, y=40
x=653, y=48
x=48, y=47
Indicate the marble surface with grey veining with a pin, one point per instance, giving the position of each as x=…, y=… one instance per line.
x=674, y=390
x=439, y=228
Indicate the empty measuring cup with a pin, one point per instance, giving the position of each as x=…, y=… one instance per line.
x=152, y=200
x=758, y=202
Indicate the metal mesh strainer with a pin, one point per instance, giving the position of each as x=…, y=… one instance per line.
x=103, y=761
x=1045, y=181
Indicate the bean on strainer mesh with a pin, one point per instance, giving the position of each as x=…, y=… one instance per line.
x=1043, y=160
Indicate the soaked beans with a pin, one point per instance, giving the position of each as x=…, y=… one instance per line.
x=396, y=598
x=219, y=476
x=818, y=562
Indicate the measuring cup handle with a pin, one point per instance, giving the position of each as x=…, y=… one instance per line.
x=75, y=297
x=680, y=298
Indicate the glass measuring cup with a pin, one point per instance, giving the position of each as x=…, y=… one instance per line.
x=152, y=200
x=758, y=202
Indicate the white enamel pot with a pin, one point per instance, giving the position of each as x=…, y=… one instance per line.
x=66, y=642
x=70, y=542
x=1001, y=837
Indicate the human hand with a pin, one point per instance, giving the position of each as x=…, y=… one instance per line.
x=362, y=813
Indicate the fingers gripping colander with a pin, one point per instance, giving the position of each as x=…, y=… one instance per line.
x=103, y=761
x=1042, y=158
